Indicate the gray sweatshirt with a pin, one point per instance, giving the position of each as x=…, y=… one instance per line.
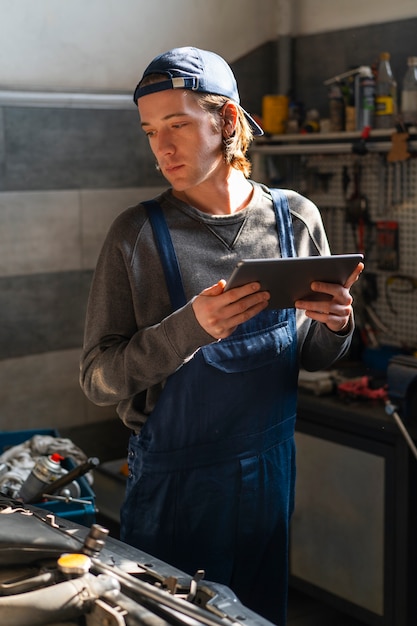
x=133, y=341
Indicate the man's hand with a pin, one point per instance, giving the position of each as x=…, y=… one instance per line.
x=335, y=312
x=220, y=312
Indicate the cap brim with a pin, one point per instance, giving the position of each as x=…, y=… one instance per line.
x=256, y=129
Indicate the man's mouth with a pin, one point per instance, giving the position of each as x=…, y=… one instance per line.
x=170, y=169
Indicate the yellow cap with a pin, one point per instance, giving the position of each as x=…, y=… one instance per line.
x=74, y=563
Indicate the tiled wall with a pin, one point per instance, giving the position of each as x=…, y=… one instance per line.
x=49, y=242
x=72, y=148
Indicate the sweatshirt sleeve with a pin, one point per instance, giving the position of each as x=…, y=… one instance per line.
x=321, y=347
x=126, y=349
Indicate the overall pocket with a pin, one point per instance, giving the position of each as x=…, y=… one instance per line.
x=250, y=350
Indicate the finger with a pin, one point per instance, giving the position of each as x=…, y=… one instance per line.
x=220, y=315
x=222, y=323
x=355, y=275
x=237, y=293
x=336, y=322
x=333, y=289
x=229, y=324
x=214, y=290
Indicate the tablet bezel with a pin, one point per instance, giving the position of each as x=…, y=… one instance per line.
x=288, y=279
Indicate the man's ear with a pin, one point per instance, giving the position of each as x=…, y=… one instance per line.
x=229, y=115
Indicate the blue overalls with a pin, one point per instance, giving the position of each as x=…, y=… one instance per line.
x=212, y=471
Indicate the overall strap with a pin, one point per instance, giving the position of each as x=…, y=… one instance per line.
x=167, y=253
x=284, y=222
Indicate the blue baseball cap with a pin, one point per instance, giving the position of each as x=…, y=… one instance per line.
x=197, y=70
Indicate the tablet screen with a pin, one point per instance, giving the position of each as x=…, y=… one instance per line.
x=289, y=279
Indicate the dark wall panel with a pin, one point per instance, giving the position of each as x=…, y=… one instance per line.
x=54, y=148
x=42, y=312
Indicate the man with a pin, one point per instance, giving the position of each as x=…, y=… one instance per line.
x=205, y=378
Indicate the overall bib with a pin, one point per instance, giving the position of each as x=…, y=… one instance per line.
x=212, y=472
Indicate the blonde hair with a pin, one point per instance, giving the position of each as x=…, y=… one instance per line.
x=236, y=146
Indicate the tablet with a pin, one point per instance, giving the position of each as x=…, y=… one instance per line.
x=289, y=279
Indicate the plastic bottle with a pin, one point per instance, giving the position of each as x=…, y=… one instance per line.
x=336, y=108
x=364, y=98
x=409, y=93
x=46, y=470
x=385, y=94
x=348, y=89
x=312, y=122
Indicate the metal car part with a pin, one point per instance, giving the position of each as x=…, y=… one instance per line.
x=56, y=572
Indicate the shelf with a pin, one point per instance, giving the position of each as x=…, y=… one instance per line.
x=325, y=143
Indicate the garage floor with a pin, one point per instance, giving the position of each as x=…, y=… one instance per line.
x=108, y=441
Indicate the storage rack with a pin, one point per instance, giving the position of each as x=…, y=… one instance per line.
x=322, y=167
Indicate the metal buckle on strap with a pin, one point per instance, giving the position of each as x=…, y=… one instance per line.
x=185, y=83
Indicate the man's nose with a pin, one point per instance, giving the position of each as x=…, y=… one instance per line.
x=164, y=144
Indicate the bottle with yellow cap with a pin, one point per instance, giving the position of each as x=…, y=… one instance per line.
x=385, y=94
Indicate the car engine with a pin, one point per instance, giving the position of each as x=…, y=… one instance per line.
x=54, y=571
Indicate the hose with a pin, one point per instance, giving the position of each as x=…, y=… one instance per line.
x=61, y=602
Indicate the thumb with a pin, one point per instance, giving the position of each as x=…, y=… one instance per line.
x=215, y=290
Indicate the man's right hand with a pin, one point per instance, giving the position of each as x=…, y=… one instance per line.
x=220, y=312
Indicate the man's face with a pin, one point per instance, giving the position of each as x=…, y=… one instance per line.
x=182, y=137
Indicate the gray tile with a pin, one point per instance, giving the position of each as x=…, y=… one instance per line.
x=99, y=207
x=74, y=148
x=2, y=145
x=42, y=312
x=39, y=232
x=41, y=391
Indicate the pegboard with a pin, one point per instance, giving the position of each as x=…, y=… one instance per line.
x=384, y=303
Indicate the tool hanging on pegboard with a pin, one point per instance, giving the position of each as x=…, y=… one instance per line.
x=387, y=243
x=398, y=168
x=357, y=209
x=397, y=285
x=399, y=148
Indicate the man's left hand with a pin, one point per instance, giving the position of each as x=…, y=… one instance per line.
x=336, y=311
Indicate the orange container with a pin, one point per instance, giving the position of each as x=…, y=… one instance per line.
x=275, y=114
